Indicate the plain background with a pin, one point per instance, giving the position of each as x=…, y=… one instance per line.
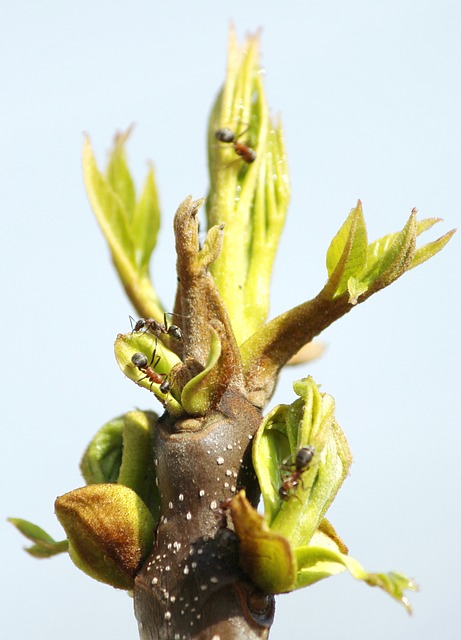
x=370, y=98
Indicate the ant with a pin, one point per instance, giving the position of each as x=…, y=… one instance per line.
x=227, y=135
x=140, y=361
x=297, y=468
x=155, y=327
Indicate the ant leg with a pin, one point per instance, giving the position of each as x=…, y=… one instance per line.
x=302, y=482
x=153, y=356
x=242, y=132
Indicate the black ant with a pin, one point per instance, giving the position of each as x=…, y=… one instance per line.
x=227, y=135
x=140, y=361
x=297, y=468
x=155, y=327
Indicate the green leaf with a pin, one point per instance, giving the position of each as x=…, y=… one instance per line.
x=316, y=563
x=137, y=470
x=430, y=249
x=108, y=209
x=121, y=451
x=272, y=196
x=379, y=247
x=276, y=566
x=355, y=289
x=307, y=421
x=45, y=546
x=347, y=253
x=199, y=395
x=130, y=229
x=250, y=198
x=118, y=175
x=126, y=345
x=202, y=393
x=395, y=254
x=211, y=247
x=103, y=456
x=271, y=447
x=146, y=222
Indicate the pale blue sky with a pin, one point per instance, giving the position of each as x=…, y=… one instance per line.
x=370, y=98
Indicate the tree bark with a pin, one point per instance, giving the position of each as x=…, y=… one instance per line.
x=191, y=585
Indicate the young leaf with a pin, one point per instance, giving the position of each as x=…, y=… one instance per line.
x=430, y=249
x=45, y=546
x=145, y=224
x=271, y=447
x=347, y=253
x=355, y=288
x=137, y=469
x=118, y=175
x=109, y=210
x=297, y=513
x=130, y=241
x=159, y=360
x=395, y=257
x=103, y=456
x=315, y=563
x=249, y=189
x=379, y=247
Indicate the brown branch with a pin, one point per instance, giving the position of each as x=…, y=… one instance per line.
x=270, y=348
x=191, y=584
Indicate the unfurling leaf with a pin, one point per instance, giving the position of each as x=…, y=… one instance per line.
x=294, y=535
x=44, y=545
x=347, y=253
x=130, y=226
x=308, y=421
x=316, y=563
x=103, y=456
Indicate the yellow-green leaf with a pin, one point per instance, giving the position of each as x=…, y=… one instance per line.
x=145, y=224
x=44, y=545
x=108, y=208
x=309, y=420
x=315, y=563
x=430, y=249
x=126, y=345
x=355, y=289
x=347, y=253
x=103, y=456
x=118, y=175
x=394, y=259
x=137, y=469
